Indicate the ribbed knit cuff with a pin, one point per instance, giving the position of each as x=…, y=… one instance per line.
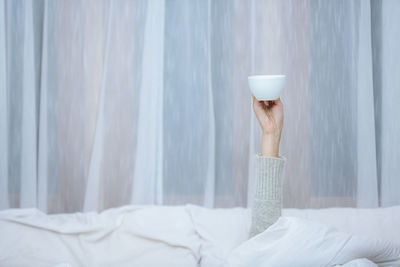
x=269, y=173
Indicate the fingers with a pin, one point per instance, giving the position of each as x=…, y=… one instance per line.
x=267, y=103
x=272, y=103
x=256, y=102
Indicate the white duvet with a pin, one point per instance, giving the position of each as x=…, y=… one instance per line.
x=180, y=236
x=127, y=236
x=299, y=242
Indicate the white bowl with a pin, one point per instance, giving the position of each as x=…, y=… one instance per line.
x=266, y=87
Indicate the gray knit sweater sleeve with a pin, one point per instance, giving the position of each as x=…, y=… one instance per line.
x=267, y=202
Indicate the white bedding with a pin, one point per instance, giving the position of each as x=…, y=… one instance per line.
x=192, y=236
x=382, y=223
x=127, y=236
x=299, y=242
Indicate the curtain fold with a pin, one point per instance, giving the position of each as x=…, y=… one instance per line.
x=3, y=111
x=42, y=176
x=147, y=185
x=390, y=98
x=96, y=155
x=209, y=191
x=367, y=178
x=29, y=121
x=253, y=122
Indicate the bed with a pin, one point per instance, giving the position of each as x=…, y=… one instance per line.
x=195, y=236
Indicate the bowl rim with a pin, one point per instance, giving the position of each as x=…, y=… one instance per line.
x=266, y=77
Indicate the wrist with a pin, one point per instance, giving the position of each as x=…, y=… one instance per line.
x=270, y=144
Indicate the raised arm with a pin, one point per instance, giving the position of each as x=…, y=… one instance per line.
x=267, y=202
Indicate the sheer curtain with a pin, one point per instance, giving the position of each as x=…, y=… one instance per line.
x=109, y=103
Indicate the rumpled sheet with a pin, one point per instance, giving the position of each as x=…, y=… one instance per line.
x=179, y=236
x=126, y=236
x=299, y=242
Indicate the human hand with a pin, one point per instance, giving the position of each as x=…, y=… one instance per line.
x=270, y=117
